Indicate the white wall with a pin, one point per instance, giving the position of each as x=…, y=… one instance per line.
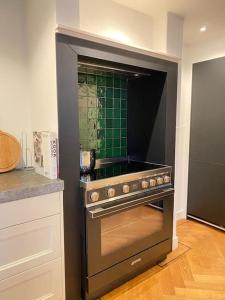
x=14, y=101
x=110, y=19
x=160, y=32
x=174, y=34
x=41, y=24
x=28, y=98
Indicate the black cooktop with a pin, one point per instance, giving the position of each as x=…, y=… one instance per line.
x=119, y=168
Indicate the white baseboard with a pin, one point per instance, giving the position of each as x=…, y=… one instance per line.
x=175, y=243
x=181, y=214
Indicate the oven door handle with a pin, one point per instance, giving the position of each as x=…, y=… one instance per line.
x=101, y=212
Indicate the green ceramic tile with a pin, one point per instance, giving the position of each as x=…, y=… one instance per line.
x=100, y=72
x=83, y=126
x=83, y=133
x=109, y=123
x=123, y=104
x=100, y=134
x=109, y=143
x=123, y=83
x=92, y=134
x=116, y=142
x=91, y=79
x=123, y=132
x=98, y=154
x=109, y=81
x=83, y=102
x=123, y=113
x=109, y=92
x=92, y=102
x=116, y=152
x=101, y=102
x=101, y=154
x=101, y=91
x=117, y=93
x=92, y=90
x=116, y=113
x=83, y=90
x=123, y=93
x=109, y=113
x=92, y=113
x=123, y=123
x=92, y=144
x=123, y=151
x=116, y=133
x=102, y=123
x=117, y=81
x=116, y=103
x=109, y=103
x=101, y=80
x=83, y=112
x=109, y=133
x=101, y=144
x=109, y=152
x=84, y=144
x=82, y=78
x=116, y=123
x=123, y=142
x=101, y=113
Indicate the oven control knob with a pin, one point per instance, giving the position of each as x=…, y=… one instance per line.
x=152, y=182
x=159, y=180
x=126, y=188
x=94, y=196
x=144, y=184
x=166, y=179
x=111, y=192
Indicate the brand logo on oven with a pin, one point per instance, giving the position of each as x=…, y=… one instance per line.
x=135, y=261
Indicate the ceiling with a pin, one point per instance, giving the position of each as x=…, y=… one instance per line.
x=196, y=13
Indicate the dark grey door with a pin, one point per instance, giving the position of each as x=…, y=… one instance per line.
x=206, y=192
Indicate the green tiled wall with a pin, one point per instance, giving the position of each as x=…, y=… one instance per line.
x=103, y=112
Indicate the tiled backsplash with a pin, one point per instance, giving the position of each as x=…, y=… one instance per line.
x=103, y=112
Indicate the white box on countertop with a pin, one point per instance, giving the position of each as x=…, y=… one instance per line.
x=45, y=153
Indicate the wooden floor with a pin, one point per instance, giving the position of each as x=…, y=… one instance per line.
x=195, y=271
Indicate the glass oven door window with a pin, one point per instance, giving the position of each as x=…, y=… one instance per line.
x=125, y=228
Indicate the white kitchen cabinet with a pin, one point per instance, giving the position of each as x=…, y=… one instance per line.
x=29, y=209
x=32, y=248
x=40, y=283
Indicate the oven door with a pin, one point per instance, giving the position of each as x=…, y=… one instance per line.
x=119, y=231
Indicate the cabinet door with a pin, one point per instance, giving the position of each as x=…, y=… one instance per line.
x=29, y=209
x=206, y=191
x=39, y=283
x=28, y=245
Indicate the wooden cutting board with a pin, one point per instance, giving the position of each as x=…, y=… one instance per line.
x=10, y=152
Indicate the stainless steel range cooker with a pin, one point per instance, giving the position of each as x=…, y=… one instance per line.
x=128, y=217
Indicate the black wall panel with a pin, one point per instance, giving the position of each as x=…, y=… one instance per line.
x=69, y=50
x=147, y=118
x=206, y=193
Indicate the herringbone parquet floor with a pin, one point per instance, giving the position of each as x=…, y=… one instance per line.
x=198, y=273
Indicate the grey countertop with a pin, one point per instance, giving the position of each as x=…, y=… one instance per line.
x=20, y=184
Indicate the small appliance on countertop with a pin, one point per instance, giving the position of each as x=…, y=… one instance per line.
x=128, y=216
x=87, y=161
